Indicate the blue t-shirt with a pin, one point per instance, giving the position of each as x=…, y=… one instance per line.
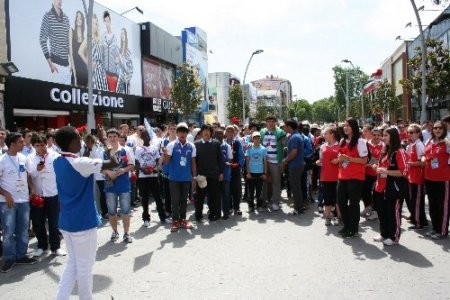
x=122, y=183
x=256, y=159
x=296, y=142
x=180, y=166
x=225, y=148
x=165, y=167
x=307, y=145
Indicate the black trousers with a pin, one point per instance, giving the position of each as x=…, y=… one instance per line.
x=235, y=189
x=179, y=191
x=389, y=214
x=349, y=195
x=147, y=185
x=367, y=191
x=438, y=198
x=167, y=195
x=255, y=185
x=39, y=215
x=212, y=190
x=417, y=201
x=101, y=188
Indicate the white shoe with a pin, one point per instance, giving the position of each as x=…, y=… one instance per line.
x=378, y=238
x=38, y=252
x=373, y=216
x=275, y=207
x=59, y=252
x=335, y=221
x=389, y=242
x=366, y=211
x=146, y=223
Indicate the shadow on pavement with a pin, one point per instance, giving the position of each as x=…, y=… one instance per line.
x=362, y=250
x=400, y=253
x=142, y=261
x=110, y=249
x=101, y=282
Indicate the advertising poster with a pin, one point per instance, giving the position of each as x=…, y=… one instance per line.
x=158, y=79
x=48, y=41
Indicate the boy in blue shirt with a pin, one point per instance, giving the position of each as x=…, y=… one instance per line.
x=256, y=162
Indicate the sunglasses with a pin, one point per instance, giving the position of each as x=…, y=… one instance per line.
x=440, y=128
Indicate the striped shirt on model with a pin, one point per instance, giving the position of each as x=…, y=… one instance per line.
x=54, y=37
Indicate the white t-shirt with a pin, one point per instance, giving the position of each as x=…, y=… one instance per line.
x=45, y=180
x=147, y=156
x=84, y=165
x=13, y=177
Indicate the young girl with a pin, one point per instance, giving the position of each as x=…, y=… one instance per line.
x=328, y=160
x=415, y=178
x=437, y=179
x=256, y=162
x=352, y=161
x=392, y=170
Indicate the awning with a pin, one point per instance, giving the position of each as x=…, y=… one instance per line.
x=18, y=112
x=125, y=116
x=370, y=86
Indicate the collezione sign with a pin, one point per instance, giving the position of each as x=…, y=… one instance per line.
x=77, y=97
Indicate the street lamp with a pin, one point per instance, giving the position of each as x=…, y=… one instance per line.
x=362, y=96
x=136, y=8
x=243, y=83
x=88, y=10
x=347, y=101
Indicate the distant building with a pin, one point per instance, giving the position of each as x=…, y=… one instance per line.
x=219, y=84
x=276, y=93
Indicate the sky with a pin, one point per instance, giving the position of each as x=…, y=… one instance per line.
x=302, y=39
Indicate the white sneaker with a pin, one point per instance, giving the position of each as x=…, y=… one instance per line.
x=59, y=252
x=335, y=221
x=373, y=216
x=436, y=236
x=366, y=211
x=275, y=207
x=389, y=242
x=146, y=223
x=378, y=238
x=38, y=252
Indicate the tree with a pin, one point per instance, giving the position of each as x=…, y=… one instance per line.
x=437, y=75
x=234, y=103
x=325, y=110
x=187, y=90
x=300, y=109
x=384, y=100
x=263, y=111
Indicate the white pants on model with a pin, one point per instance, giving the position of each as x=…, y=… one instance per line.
x=81, y=250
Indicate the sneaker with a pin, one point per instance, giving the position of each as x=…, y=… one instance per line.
x=260, y=209
x=275, y=207
x=185, y=224
x=38, y=252
x=7, y=266
x=114, y=236
x=59, y=252
x=373, y=216
x=127, y=238
x=335, y=221
x=349, y=234
x=320, y=209
x=415, y=227
x=366, y=211
x=175, y=226
x=328, y=221
x=378, y=238
x=167, y=220
x=146, y=223
x=25, y=260
x=342, y=231
x=437, y=236
x=389, y=242
x=430, y=233
x=238, y=212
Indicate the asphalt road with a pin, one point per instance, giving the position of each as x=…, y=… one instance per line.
x=264, y=255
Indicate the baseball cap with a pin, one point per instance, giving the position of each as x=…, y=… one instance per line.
x=256, y=133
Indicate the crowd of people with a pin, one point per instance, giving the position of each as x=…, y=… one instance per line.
x=54, y=177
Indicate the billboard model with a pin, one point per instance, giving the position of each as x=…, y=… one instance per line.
x=158, y=79
x=48, y=41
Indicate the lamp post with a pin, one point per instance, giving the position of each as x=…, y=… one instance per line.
x=243, y=83
x=88, y=10
x=423, y=64
x=362, y=97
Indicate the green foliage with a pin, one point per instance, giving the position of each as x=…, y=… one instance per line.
x=300, y=109
x=234, y=103
x=325, y=110
x=263, y=111
x=438, y=71
x=187, y=90
x=385, y=100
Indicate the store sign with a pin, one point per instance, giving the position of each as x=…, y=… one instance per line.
x=156, y=105
x=77, y=97
x=167, y=106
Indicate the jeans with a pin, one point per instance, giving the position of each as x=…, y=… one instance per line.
x=178, y=193
x=39, y=215
x=111, y=202
x=81, y=250
x=147, y=185
x=275, y=173
x=15, y=230
x=225, y=197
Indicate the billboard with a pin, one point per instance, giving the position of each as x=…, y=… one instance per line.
x=48, y=41
x=158, y=79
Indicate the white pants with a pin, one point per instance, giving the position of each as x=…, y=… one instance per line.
x=81, y=250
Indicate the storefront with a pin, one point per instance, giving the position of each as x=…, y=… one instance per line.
x=39, y=105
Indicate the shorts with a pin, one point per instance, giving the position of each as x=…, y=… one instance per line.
x=111, y=203
x=329, y=190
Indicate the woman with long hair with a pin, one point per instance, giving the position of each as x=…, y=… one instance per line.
x=125, y=64
x=437, y=179
x=415, y=151
x=352, y=163
x=392, y=170
x=77, y=64
x=98, y=69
